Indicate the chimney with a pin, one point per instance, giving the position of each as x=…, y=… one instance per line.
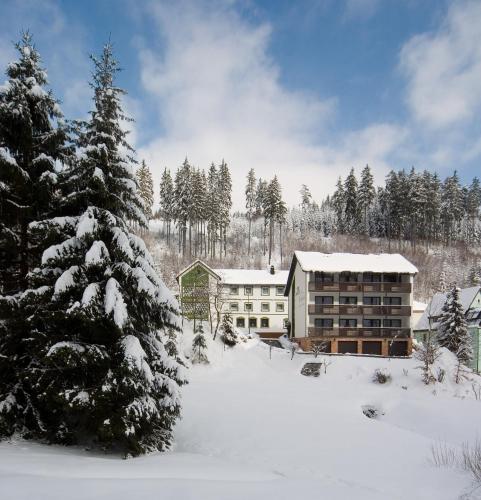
x=272, y=270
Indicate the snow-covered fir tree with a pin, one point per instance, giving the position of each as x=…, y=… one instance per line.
x=167, y=202
x=98, y=312
x=199, y=345
x=33, y=142
x=145, y=188
x=366, y=194
x=250, y=192
x=452, y=329
x=32, y=139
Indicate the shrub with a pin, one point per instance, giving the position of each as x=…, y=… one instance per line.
x=381, y=376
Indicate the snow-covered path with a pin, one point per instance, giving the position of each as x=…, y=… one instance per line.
x=254, y=428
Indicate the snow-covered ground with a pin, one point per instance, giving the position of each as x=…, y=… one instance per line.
x=254, y=428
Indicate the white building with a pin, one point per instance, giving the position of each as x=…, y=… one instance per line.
x=254, y=297
x=351, y=303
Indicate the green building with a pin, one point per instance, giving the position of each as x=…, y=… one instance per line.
x=471, y=301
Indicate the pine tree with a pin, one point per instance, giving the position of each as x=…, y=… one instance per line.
x=452, y=329
x=167, y=202
x=146, y=188
x=213, y=208
x=306, y=198
x=366, y=195
x=183, y=197
x=228, y=335
x=99, y=372
x=224, y=192
x=250, y=193
x=199, y=345
x=351, y=208
x=33, y=139
x=339, y=203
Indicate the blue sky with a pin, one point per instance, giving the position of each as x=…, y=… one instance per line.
x=302, y=89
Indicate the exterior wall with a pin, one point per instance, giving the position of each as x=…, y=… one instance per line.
x=393, y=334
x=194, y=288
x=275, y=317
x=298, y=303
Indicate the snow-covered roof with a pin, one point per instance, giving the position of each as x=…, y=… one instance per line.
x=338, y=262
x=466, y=297
x=419, y=306
x=252, y=277
x=195, y=263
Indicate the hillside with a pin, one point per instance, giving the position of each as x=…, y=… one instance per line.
x=253, y=427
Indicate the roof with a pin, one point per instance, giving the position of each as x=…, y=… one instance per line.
x=466, y=297
x=354, y=262
x=419, y=306
x=252, y=277
x=201, y=263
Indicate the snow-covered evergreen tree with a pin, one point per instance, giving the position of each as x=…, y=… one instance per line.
x=32, y=139
x=228, y=335
x=145, y=188
x=452, y=329
x=166, y=202
x=250, y=192
x=199, y=345
x=366, y=195
x=99, y=371
x=33, y=143
x=351, y=207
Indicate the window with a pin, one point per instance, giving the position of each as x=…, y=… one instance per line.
x=285, y=323
x=265, y=307
x=253, y=322
x=348, y=300
x=279, y=290
x=234, y=290
x=279, y=307
x=371, y=277
x=323, y=300
x=346, y=277
x=240, y=322
x=323, y=277
x=371, y=323
x=233, y=306
x=392, y=323
x=248, y=290
x=347, y=322
x=371, y=301
x=265, y=290
x=392, y=301
x=264, y=322
x=248, y=306
x=323, y=322
x=392, y=278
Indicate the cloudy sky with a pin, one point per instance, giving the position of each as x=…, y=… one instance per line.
x=303, y=89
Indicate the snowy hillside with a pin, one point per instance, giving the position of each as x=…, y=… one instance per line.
x=253, y=427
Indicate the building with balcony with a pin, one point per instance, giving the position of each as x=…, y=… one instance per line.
x=351, y=303
x=254, y=297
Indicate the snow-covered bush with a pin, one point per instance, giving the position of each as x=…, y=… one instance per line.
x=381, y=376
x=228, y=336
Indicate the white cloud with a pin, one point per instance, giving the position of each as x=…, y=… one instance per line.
x=219, y=95
x=443, y=69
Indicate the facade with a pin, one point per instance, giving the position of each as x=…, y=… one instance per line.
x=471, y=301
x=254, y=297
x=351, y=303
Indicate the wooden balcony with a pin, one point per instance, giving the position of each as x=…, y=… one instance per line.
x=316, y=286
x=390, y=333
x=358, y=310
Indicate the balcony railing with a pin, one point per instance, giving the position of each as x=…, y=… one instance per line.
x=317, y=286
x=314, y=331
x=358, y=310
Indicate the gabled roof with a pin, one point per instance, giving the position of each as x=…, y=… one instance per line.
x=252, y=277
x=240, y=276
x=195, y=263
x=353, y=262
x=434, y=308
